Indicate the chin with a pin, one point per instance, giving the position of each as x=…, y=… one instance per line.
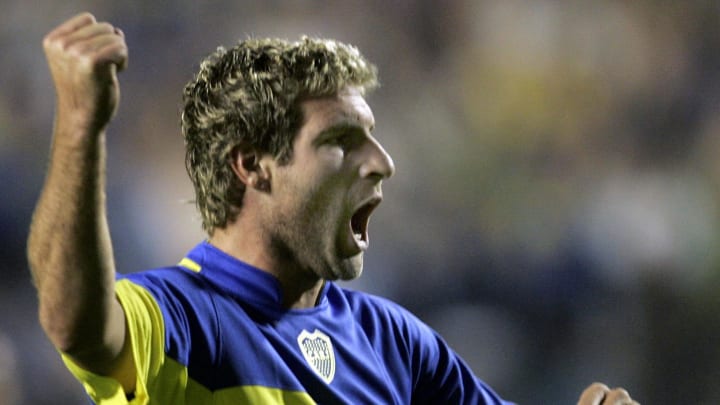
x=349, y=269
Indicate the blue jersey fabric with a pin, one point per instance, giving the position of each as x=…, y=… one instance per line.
x=224, y=322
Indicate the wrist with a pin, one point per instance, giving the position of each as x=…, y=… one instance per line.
x=77, y=129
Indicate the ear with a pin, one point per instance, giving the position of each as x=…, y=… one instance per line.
x=248, y=165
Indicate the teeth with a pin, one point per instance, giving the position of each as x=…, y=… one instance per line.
x=359, y=221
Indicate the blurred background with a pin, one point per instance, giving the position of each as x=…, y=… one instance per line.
x=555, y=211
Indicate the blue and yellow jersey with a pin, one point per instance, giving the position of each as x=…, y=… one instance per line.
x=212, y=330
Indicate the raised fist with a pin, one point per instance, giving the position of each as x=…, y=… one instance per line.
x=84, y=57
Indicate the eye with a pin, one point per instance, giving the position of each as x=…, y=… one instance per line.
x=347, y=140
x=340, y=139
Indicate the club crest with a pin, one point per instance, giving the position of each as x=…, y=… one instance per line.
x=318, y=351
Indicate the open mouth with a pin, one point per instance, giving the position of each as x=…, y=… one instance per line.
x=360, y=220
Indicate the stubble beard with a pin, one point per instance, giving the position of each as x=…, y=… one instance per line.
x=310, y=245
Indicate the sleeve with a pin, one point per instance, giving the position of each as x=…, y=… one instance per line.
x=146, y=330
x=441, y=375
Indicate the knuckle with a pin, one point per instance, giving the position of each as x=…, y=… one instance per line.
x=47, y=43
x=87, y=17
x=620, y=392
x=598, y=386
x=51, y=41
x=106, y=26
x=86, y=61
x=75, y=51
x=83, y=60
x=54, y=47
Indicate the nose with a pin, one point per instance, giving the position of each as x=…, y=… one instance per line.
x=378, y=162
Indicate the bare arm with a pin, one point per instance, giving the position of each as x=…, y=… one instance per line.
x=69, y=247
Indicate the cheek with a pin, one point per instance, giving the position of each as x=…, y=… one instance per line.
x=314, y=195
x=332, y=156
x=323, y=214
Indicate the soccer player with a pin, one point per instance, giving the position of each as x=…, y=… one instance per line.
x=286, y=173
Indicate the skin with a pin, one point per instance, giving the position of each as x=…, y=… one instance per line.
x=294, y=224
x=600, y=394
x=299, y=213
x=69, y=248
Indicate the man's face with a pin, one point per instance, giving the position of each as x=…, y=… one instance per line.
x=321, y=200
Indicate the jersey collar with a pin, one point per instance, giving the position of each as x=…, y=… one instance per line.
x=239, y=279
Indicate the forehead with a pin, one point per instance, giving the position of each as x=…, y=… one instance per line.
x=347, y=108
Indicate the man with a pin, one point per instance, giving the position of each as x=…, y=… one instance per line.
x=286, y=173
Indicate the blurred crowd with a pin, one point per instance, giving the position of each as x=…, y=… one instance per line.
x=555, y=210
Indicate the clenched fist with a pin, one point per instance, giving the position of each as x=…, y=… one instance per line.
x=84, y=57
x=600, y=394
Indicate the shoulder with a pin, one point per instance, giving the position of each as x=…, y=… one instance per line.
x=168, y=282
x=365, y=298
x=177, y=292
x=185, y=305
x=383, y=313
x=169, y=275
x=363, y=301
x=437, y=373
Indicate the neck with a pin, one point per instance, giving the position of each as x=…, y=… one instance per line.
x=300, y=288
x=299, y=298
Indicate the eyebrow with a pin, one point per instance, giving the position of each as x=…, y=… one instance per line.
x=337, y=128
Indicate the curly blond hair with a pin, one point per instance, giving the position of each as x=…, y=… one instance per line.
x=250, y=94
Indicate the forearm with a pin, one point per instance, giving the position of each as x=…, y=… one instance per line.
x=69, y=248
